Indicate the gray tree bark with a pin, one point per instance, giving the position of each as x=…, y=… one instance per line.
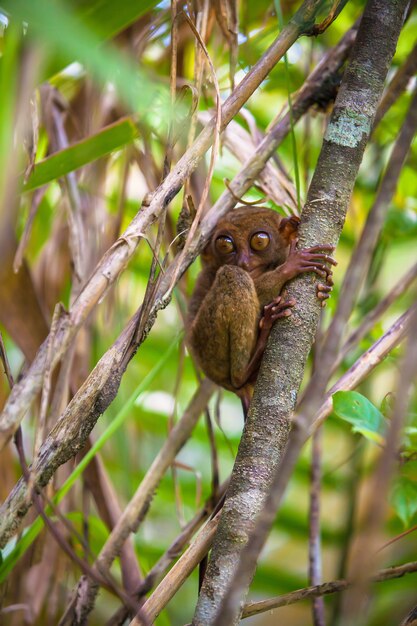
x=266, y=432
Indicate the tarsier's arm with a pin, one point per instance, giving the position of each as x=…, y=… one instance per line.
x=269, y=285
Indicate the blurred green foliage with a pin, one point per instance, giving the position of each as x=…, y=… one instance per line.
x=72, y=40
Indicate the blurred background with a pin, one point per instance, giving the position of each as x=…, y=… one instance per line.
x=85, y=134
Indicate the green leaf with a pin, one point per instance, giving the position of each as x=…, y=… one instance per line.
x=400, y=223
x=365, y=418
x=404, y=499
x=387, y=404
x=78, y=154
x=410, y=439
x=68, y=39
x=9, y=65
x=108, y=17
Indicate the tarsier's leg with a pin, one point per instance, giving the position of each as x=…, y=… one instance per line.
x=225, y=330
x=271, y=312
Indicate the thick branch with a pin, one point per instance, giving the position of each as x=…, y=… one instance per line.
x=267, y=429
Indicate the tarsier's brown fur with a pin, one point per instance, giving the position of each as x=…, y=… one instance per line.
x=237, y=294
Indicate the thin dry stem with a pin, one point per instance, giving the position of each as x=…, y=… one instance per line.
x=180, y=572
x=254, y=608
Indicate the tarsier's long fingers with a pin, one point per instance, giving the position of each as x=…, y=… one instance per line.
x=317, y=268
x=323, y=292
x=320, y=257
x=282, y=310
x=274, y=310
x=320, y=248
x=312, y=257
x=329, y=280
x=274, y=302
x=293, y=245
x=317, y=258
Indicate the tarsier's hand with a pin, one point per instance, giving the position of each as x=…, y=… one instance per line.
x=273, y=311
x=309, y=260
x=313, y=259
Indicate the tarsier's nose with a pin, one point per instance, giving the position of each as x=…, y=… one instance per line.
x=243, y=261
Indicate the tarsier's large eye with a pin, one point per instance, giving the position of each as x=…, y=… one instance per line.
x=259, y=241
x=224, y=244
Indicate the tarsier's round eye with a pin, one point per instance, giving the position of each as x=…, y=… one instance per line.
x=224, y=244
x=259, y=241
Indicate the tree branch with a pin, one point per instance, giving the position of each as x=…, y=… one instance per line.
x=317, y=591
x=255, y=479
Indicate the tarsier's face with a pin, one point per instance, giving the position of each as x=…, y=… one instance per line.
x=251, y=238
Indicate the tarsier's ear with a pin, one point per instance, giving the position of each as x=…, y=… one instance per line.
x=289, y=227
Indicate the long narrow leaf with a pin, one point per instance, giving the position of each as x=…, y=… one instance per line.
x=110, y=138
x=63, y=32
x=108, y=17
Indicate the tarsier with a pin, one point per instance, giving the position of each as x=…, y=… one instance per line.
x=249, y=258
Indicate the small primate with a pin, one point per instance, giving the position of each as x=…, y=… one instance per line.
x=249, y=258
